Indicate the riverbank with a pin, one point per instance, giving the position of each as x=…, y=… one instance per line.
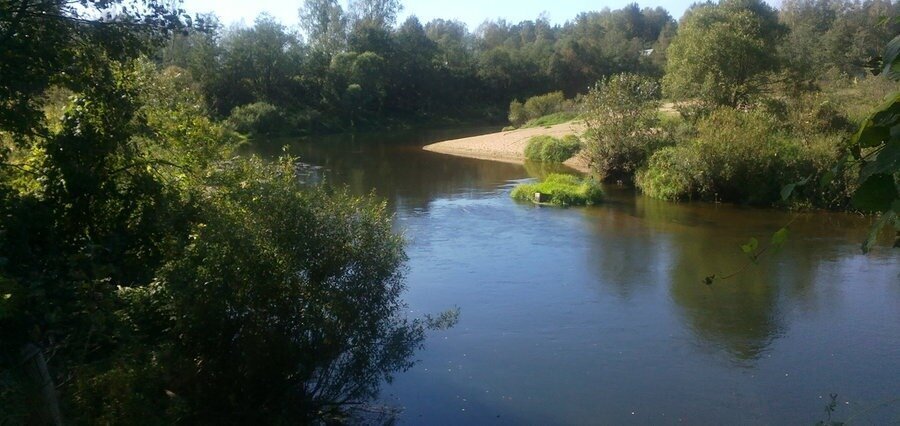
x=509, y=146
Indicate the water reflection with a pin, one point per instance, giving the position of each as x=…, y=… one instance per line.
x=397, y=169
x=585, y=315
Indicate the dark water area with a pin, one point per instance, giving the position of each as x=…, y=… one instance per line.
x=600, y=316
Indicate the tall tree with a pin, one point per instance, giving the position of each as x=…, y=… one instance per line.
x=377, y=13
x=325, y=25
x=723, y=52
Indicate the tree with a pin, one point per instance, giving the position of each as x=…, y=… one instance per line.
x=325, y=25
x=621, y=114
x=722, y=53
x=377, y=13
x=39, y=42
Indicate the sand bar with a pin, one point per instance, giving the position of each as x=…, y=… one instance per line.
x=509, y=146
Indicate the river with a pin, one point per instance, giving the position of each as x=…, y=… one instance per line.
x=600, y=316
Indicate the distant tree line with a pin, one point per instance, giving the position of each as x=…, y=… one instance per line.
x=356, y=68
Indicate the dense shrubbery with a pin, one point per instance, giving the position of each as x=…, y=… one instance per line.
x=173, y=282
x=622, y=116
x=552, y=104
x=258, y=118
x=562, y=190
x=744, y=157
x=548, y=149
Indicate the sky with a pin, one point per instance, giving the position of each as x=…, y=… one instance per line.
x=472, y=12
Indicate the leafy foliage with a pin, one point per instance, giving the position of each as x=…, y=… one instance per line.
x=621, y=114
x=171, y=282
x=549, y=149
x=740, y=156
x=723, y=52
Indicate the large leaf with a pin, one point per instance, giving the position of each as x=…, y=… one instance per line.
x=780, y=237
x=883, y=221
x=888, y=161
x=892, y=59
x=877, y=128
x=838, y=168
x=788, y=189
x=876, y=194
x=750, y=247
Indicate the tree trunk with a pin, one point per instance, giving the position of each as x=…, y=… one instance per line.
x=34, y=365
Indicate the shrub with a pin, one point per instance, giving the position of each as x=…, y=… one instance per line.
x=548, y=149
x=517, y=116
x=535, y=148
x=551, y=120
x=559, y=150
x=668, y=174
x=563, y=190
x=539, y=106
x=622, y=117
x=258, y=118
x=742, y=157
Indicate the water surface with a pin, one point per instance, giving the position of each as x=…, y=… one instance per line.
x=599, y=315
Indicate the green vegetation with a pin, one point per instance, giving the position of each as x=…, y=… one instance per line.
x=743, y=156
x=537, y=110
x=562, y=190
x=173, y=281
x=257, y=119
x=170, y=280
x=551, y=120
x=548, y=149
x=355, y=68
x=622, y=116
x=723, y=52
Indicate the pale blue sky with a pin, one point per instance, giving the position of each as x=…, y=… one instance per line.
x=472, y=12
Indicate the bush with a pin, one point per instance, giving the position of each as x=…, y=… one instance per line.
x=258, y=118
x=548, y=149
x=551, y=120
x=668, y=175
x=517, y=116
x=622, y=116
x=563, y=190
x=539, y=106
x=742, y=157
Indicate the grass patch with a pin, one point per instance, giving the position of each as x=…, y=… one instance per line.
x=563, y=191
x=548, y=149
x=551, y=120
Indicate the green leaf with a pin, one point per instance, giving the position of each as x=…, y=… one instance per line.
x=780, y=237
x=888, y=161
x=892, y=59
x=751, y=246
x=876, y=194
x=885, y=219
x=872, y=135
x=788, y=190
x=838, y=168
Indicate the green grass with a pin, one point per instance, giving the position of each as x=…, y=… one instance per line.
x=548, y=149
x=551, y=120
x=563, y=190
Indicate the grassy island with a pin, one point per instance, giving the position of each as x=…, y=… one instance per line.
x=560, y=190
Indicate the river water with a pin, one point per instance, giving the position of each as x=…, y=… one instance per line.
x=600, y=316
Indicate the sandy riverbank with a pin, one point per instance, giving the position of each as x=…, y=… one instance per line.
x=509, y=146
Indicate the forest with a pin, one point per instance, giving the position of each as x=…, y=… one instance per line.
x=151, y=270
